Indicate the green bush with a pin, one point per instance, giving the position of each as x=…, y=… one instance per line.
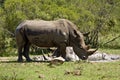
x=88, y=15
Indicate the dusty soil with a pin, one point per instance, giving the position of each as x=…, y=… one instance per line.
x=5, y=59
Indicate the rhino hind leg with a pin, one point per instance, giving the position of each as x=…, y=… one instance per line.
x=23, y=46
x=20, y=44
x=26, y=51
x=20, y=59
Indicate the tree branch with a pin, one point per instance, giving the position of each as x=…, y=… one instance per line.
x=111, y=40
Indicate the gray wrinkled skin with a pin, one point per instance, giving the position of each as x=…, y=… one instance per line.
x=59, y=33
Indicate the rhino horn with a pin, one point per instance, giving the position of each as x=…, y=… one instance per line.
x=91, y=51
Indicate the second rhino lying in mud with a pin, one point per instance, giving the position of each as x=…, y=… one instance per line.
x=71, y=56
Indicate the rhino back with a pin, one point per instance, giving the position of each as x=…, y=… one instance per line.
x=45, y=33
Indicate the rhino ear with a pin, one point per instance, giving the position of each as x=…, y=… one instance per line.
x=86, y=34
x=75, y=33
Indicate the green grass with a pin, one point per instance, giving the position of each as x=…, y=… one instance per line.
x=12, y=70
x=35, y=70
x=112, y=39
x=110, y=51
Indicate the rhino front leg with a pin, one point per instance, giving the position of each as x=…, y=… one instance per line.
x=26, y=52
x=63, y=50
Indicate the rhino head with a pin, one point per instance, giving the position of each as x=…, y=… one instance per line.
x=84, y=53
x=79, y=46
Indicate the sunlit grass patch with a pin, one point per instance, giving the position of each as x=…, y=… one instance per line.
x=67, y=71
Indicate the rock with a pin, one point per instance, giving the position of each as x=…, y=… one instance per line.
x=67, y=72
x=41, y=76
x=57, y=60
x=77, y=72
